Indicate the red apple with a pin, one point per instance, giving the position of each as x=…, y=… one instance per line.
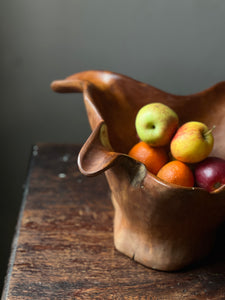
x=210, y=173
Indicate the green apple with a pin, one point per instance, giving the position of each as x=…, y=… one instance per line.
x=192, y=142
x=156, y=123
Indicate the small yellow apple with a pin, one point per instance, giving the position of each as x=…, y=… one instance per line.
x=192, y=142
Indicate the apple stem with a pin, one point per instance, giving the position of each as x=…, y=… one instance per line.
x=210, y=130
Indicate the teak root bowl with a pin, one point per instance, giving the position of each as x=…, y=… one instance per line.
x=162, y=226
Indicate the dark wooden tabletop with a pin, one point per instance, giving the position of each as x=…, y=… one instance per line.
x=63, y=247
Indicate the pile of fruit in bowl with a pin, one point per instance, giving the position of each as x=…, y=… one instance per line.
x=177, y=154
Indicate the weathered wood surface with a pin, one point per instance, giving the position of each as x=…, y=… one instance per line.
x=63, y=248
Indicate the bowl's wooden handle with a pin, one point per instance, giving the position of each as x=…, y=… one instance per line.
x=68, y=86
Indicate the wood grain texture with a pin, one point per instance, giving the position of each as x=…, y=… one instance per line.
x=63, y=247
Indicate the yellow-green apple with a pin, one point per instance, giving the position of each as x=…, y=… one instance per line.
x=192, y=142
x=210, y=173
x=156, y=123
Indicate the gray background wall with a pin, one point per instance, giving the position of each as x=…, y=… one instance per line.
x=177, y=46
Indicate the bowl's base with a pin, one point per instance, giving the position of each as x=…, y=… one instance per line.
x=165, y=254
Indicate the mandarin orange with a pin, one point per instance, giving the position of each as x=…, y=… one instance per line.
x=177, y=172
x=152, y=157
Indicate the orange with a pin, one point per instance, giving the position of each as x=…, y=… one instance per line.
x=152, y=157
x=178, y=173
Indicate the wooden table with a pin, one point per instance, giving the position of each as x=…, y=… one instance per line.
x=63, y=246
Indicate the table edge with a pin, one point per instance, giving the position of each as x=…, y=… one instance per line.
x=14, y=243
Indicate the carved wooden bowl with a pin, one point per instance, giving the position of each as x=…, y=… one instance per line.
x=159, y=225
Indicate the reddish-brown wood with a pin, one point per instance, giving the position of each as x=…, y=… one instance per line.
x=160, y=225
x=63, y=247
